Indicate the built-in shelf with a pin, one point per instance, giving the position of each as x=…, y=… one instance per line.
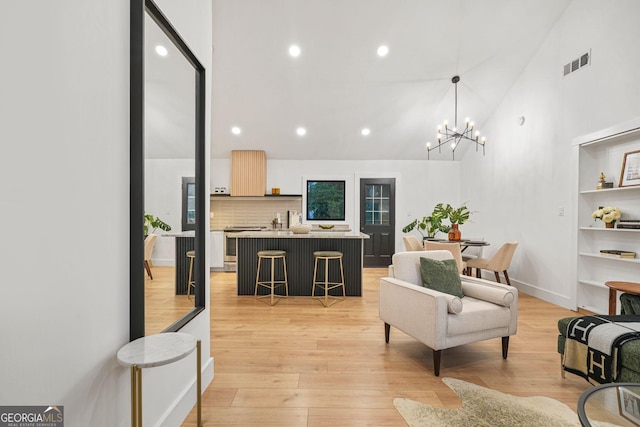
x=609, y=190
x=625, y=230
x=613, y=258
x=593, y=283
x=598, y=153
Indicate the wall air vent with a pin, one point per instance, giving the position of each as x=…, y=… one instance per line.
x=576, y=64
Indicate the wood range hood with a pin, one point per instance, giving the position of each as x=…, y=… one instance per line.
x=248, y=173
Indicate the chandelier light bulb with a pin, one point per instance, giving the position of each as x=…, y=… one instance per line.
x=466, y=120
x=428, y=145
x=439, y=137
x=446, y=123
x=453, y=145
x=484, y=140
x=471, y=125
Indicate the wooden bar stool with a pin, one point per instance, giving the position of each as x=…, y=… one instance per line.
x=325, y=284
x=272, y=284
x=190, y=283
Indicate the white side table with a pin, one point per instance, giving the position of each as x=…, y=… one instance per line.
x=158, y=350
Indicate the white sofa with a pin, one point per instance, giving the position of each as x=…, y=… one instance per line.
x=438, y=320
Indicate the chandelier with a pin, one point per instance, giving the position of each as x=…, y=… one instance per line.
x=453, y=136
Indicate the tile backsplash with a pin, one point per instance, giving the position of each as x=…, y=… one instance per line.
x=260, y=211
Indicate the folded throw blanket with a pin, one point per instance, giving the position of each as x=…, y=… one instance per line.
x=592, y=348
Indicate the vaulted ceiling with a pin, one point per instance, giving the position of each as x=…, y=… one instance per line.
x=339, y=85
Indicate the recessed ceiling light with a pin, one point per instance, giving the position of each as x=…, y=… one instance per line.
x=236, y=130
x=161, y=50
x=365, y=131
x=383, y=50
x=294, y=50
x=301, y=131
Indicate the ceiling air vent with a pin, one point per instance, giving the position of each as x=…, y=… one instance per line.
x=576, y=64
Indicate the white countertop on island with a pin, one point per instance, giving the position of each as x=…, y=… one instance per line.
x=286, y=234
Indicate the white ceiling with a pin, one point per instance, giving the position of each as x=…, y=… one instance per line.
x=339, y=85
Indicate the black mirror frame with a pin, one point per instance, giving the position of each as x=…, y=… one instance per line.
x=136, y=190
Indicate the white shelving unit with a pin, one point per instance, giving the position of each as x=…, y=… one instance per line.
x=603, y=152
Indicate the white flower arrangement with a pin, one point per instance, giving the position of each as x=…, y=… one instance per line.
x=607, y=214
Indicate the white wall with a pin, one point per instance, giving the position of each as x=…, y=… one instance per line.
x=527, y=174
x=420, y=184
x=64, y=175
x=64, y=299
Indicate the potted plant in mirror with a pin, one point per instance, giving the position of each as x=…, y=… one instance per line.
x=153, y=223
x=429, y=226
x=457, y=217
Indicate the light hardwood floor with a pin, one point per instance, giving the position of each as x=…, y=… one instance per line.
x=300, y=364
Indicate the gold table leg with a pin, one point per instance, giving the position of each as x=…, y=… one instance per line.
x=134, y=391
x=136, y=396
x=139, y=398
x=199, y=383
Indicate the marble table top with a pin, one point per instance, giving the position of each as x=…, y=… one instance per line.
x=286, y=234
x=157, y=350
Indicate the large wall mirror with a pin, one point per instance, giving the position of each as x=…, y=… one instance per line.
x=167, y=148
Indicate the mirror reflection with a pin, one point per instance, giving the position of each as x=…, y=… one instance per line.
x=169, y=147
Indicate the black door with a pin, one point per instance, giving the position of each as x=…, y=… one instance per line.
x=377, y=219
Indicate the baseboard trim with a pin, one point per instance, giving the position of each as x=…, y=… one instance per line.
x=186, y=401
x=543, y=294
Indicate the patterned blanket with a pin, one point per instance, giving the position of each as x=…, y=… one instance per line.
x=592, y=348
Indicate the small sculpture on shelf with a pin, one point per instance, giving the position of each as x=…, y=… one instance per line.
x=602, y=182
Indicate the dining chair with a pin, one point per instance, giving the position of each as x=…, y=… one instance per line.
x=149, y=243
x=411, y=243
x=453, y=247
x=500, y=262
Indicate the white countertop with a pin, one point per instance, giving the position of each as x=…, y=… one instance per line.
x=311, y=235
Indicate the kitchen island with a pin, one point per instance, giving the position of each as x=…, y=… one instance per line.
x=300, y=261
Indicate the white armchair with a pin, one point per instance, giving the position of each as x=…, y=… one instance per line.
x=439, y=320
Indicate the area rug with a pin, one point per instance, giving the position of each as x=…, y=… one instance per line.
x=485, y=407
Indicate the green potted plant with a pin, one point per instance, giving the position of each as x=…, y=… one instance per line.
x=153, y=223
x=457, y=216
x=429, y=226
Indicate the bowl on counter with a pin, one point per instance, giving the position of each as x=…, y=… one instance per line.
x=326, y=226
x=300, y=228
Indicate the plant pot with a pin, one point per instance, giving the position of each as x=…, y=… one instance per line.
x=609, y=224
x=454, y=234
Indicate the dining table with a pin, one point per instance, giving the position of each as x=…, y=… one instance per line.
x=464, y=243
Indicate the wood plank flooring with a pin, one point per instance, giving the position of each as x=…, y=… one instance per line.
x=300, y=364
x=162, y=305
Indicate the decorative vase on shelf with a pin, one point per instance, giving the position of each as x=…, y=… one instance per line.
x=609, y=224
x=454, y=233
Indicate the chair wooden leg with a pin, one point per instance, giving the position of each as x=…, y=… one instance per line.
x=478, y=275
x=436, y=362
x=506, y=276
x=497, y=276
x=387, y=329
x=562, y=371
x=505, y=347
x=148, y=268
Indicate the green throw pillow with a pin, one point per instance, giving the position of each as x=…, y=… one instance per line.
x=441, y=276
